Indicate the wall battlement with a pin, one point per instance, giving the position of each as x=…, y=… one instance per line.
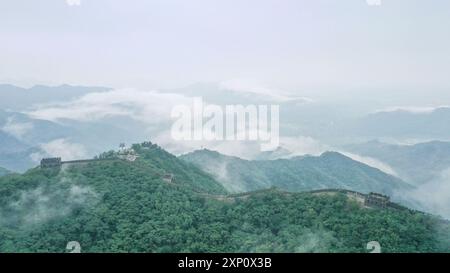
x=56, y=162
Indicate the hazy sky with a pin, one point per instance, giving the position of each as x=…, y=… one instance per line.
x=282, y=43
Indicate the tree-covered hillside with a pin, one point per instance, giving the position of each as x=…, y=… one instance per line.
x=123, y=206
x=330, y=170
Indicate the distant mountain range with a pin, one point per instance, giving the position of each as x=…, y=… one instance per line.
x=432, y=124
x=10, y=144
x=330, y=170
x=24, y=138
x=21, y=137
x=14, y=154
x=32, y=131
x=416, y=164
x=14, y=98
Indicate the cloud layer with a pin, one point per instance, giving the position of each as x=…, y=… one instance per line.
x=148, y=106
x=17, y=129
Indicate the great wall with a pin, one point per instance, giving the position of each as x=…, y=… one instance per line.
x=122, y=154
x=370, y=200
x=56, y=162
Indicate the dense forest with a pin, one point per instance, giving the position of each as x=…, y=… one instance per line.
x=123, y=206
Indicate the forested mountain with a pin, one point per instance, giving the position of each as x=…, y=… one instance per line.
x=330, y=170
x=128, y=206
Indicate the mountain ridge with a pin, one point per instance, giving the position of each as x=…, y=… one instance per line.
x=299, y=173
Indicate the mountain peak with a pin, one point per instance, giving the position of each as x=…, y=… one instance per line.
x=334, y=155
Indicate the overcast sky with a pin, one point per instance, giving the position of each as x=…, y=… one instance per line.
x=290, y=44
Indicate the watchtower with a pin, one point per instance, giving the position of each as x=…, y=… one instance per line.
x=146, y=144
x=376, y=199
x=54, y=162
x=168, y=177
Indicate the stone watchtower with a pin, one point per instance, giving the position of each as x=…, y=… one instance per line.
x=168, y=177
x=376, y=199
x=54, y=162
